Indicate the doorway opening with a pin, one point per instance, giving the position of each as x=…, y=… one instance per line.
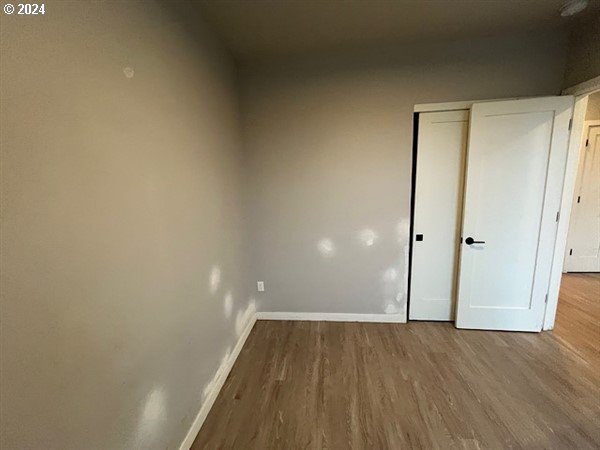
x=578, y=311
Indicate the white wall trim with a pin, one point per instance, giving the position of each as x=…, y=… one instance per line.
x=223, y=372
x=446, y=106
x=587, y=87
x=332, y=317
x=455, y=106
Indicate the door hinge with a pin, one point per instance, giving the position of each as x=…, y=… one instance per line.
x=570, y=123
x=587, y=142
x=578, y=198
x=557, y=215
x=546, y=301
x=571, y=252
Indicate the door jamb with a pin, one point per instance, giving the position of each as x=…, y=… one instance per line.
x=581, y=93
x=413, y=188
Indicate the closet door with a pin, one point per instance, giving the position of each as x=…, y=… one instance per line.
x=514, y=176
x=442, y=139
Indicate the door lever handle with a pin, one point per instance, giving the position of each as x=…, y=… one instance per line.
x=470, y=241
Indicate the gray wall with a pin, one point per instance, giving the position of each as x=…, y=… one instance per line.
x=583, y=56
x=120, y=196
x=328, y=142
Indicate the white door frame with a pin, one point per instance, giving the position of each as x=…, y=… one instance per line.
x=581, y=92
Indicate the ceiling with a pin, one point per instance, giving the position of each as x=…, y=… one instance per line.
x=254, y=29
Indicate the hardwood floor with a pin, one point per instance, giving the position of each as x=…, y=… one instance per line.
x=332, y=385
x=578, y=315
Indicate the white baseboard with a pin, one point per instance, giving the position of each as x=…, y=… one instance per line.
x=217, y=385
x=332, y=317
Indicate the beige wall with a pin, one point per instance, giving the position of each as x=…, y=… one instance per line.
x=593, y=107
x=583, y=56
x=328, y=143
x=119, y=197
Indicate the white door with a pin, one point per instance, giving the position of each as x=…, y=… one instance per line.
x=515, y=168
x=441, y=147
x=583, y=243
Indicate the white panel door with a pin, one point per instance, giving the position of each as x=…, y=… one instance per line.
x=441, y=149
x=583, y=243
x=515, y=168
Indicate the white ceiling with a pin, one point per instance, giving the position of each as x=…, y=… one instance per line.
x=263, y=28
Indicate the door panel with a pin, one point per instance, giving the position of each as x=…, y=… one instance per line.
x=438, y=196
x=515, y=168
x=583, y=243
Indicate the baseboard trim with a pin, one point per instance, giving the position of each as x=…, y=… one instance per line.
x=218, y=384
x=332, y=317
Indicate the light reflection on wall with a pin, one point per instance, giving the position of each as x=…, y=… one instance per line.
x=243, y=317
x=402, y=231
x=212, y=384
x=214, y=279
x=395, y=281
x=392, y=286
x=368, y=237
x=326, y=247
x=228, y=304
x=152, y=418
x=390, y=275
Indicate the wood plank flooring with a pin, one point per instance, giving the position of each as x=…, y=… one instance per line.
x=578, y=315
x=325, y=385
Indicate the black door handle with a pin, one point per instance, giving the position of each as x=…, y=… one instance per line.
x=470, y=241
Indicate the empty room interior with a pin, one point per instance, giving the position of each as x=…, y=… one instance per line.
x=260, y=224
